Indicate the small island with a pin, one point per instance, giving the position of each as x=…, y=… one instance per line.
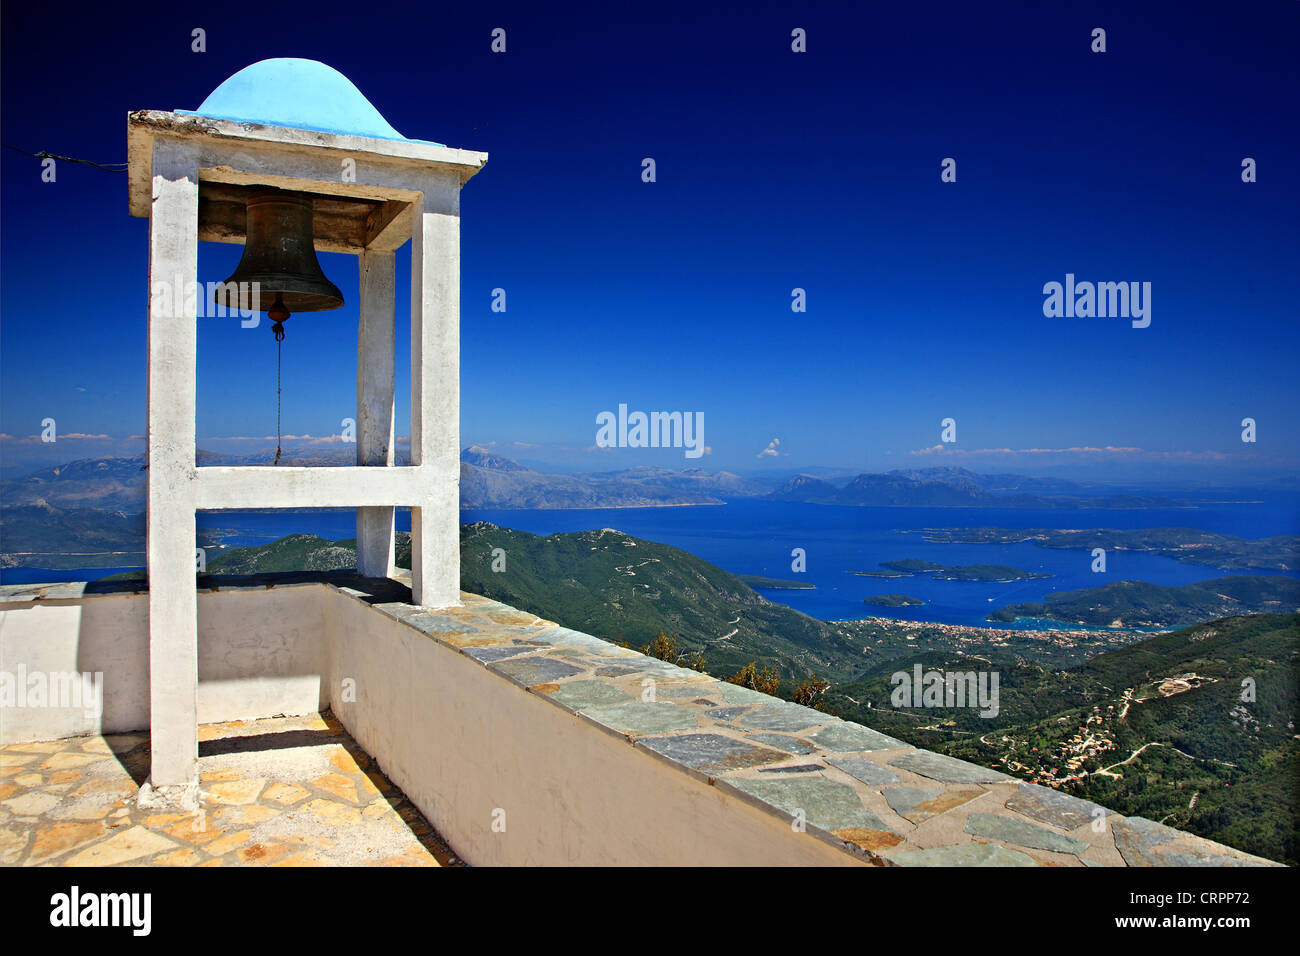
x=775, y=584
x=894, y=600
x=987, y=573
x=913, y=566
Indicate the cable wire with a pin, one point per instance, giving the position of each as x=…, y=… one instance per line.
x=107, y=167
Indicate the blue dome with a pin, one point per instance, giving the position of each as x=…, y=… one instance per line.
x=302, y=94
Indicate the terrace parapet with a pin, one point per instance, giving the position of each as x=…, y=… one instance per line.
x=585, y=751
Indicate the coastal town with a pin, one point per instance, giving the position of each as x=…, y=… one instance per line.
x=1048, y=647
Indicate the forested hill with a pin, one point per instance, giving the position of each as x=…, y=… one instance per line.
x=1140, y=603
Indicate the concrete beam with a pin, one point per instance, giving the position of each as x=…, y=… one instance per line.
x=260, y=486
x=173, y=337
x=304, y=160
x=376, y=336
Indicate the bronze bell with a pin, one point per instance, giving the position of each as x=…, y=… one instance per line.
x=279, y=260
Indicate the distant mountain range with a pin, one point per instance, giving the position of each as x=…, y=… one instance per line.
x=489, y=480
x=492, y=481
x=958, y=488
x=118, y=484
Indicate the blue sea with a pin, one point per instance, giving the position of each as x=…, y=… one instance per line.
x=757, y=537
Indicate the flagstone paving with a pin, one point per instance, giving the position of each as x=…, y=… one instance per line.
x=292, y=791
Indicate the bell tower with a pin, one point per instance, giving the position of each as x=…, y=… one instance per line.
x=283, y=146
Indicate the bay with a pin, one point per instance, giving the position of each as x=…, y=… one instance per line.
x=758, y=537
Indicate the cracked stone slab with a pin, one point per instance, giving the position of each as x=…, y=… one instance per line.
x=824, y=803
x=1142, y=842
x=580, y=694
x=489, y=655
x=971, y=854
x=1022, y=833
x=1136, y=839
x=780, y=715
x=791, y=745
x=640, y=717
x=536, y=670
x=945, y=768
x=918, y=804
x=844, y=738
x=710, y=753
x=1052, y=806
x=860, y=768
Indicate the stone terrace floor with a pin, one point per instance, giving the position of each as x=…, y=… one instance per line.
x=289, y=791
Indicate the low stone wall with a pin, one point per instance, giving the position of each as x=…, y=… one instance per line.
x=528, y=743
x=261, y=654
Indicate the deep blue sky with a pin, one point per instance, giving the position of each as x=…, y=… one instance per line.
x=775, y=170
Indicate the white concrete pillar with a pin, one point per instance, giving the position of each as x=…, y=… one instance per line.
x=375, y=372
x=173, y=606
x=435, y=393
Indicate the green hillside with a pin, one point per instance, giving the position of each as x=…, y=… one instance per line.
x=297, y=552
